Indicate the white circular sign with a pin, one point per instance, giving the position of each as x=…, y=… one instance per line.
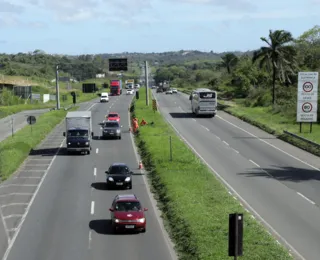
x=307, y=107
x=307, y=87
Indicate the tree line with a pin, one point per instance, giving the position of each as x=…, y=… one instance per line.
x=267, y=76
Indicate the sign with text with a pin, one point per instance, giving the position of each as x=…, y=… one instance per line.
x=118, y=64
x=307, y=103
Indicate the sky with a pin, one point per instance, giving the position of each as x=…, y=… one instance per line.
x=111, y=26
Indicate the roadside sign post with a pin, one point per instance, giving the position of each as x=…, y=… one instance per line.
x=31, y=120
x=235, y=248
x=307, y=103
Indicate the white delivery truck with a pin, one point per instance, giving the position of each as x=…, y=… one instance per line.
x=79, y=131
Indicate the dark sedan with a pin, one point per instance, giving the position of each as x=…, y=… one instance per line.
x=111, y=129
x=119, y=176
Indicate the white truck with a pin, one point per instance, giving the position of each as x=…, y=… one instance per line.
x=79, y=131
x=204, y=102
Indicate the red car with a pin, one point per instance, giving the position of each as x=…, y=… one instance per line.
x=127, y=213
x=113, y=117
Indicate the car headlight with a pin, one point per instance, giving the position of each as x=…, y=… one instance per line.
x=69, y=143
x=110, y=179
x=127, y=179
x=118, y=131
x=141, y=220
x=117, y=220
x=87, y=143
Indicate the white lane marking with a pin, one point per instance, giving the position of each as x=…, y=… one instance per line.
x=14, y=204
x=238, y=195
x=225, y=143
x=164, y=232
x=218, y=137
x=254, y=163
x=90, y=238
x=205, y=128
x=309, y=200
x=235, y=150
x=18, y=185
x=194, y=119
x=13, y=216
x=11, y=243
x=95, y=171
x=181, y=109
x=97, y=150
x=273, y=146
x=16, y=194
x=92, y=208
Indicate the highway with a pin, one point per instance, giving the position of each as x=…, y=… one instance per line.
x=69, y=217
x=277, y=183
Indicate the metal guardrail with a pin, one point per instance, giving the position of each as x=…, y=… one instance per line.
x=302, y=138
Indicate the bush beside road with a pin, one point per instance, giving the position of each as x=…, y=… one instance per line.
x=194, y=203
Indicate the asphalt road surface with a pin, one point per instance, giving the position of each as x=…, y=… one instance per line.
x=277, y=182
x=69, y=217
x=17, y=121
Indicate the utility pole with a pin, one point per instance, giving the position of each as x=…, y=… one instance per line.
x=57, y=88
x=147, y=83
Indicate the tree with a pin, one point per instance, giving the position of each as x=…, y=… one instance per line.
x=229, y=60
x=278, y=54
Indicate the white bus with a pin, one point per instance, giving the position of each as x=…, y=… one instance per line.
x=204, y=102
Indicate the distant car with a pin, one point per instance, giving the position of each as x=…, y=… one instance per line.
x=127, y=213
x=113, y=117
x=174, y=90
x=159, y=90
x=169, y=91
x=130, y=92
x=104, y=97
x=111, y=129
x=119, y=175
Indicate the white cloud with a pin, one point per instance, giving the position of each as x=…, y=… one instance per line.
x=8, y=7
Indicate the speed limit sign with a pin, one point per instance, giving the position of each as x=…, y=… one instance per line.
x=307, y=87
x=307, y=107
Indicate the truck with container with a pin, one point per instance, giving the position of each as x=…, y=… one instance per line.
x=130, y=84
x=116, y=87
x=79, y=132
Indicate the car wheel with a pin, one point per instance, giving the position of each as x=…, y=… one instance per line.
x=119, y=137
x=88, y=152
x=143, y=230
x=130, y=187
x=114, y=230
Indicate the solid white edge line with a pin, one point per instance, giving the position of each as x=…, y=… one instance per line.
x=97, y=150
x=18, y=228
x=254, y=163
x=273, y=146
x=95, y=171
x=92, y=208
x=307, y=199
x=225, y=143
x=164, y=232
x=275, y=233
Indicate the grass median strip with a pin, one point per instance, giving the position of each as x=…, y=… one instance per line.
x=14, y=150
x=275, y=123
x=194, y=203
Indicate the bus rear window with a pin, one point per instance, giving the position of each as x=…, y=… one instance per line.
x=205, y=95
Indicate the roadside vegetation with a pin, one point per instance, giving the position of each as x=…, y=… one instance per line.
x=14, y=150
x=195, y=209
x=38, y=70
x=259, y=87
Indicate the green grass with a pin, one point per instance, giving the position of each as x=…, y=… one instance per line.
x=274, y=123
x=194, y=203
x=14, y=150
x=9, y=110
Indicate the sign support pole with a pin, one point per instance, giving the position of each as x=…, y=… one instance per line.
x=57, y=88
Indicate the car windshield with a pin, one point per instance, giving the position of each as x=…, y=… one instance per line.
x=112, y=115
x=205, y=95
x=77, y=133
x=111, y=124
x=119, y=169
x=128, y=206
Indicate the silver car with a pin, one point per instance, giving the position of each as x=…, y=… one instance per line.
x=111, y=129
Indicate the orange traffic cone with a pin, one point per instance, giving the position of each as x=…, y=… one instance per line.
x=140, y=165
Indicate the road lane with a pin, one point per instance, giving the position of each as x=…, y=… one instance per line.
x=150, y=245
x=68, y=217
x=291, y=217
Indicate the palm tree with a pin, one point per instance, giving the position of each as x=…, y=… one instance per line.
x=229, y=60
x=279, y=54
